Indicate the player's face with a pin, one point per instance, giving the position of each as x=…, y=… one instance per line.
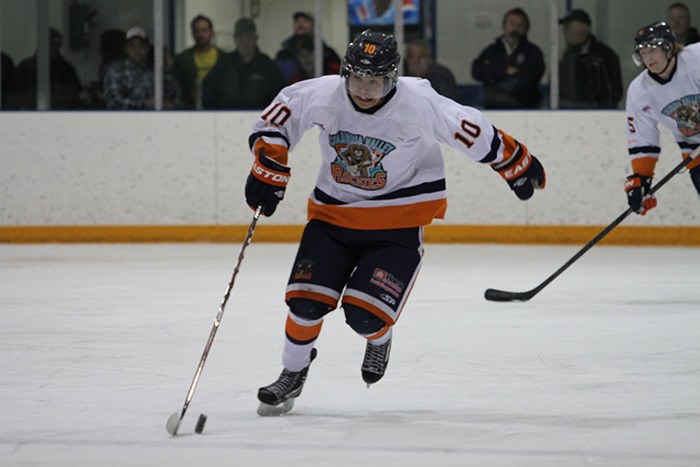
x=654, y=59
x=366, y=91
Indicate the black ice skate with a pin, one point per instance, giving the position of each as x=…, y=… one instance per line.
x=278, y=397
x=375, y=362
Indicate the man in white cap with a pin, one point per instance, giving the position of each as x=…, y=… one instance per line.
x=129, y=83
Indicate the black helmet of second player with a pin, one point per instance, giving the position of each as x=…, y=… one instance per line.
x=373, y=54
x=656, y=34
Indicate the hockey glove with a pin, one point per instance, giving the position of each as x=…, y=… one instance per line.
x=524, y=173
x=637, y=188
x=266, y=184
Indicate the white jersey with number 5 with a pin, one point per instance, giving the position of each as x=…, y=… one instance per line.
x=675, y=104
x=380, y=169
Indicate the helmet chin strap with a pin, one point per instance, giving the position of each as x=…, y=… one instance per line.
x=668, y=62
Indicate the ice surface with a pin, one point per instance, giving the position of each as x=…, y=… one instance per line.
x=99, y=344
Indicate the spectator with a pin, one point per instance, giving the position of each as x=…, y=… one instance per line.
x=64, y=81
x=293, y=58
x=589, y=72
x=678, y=16
x=8, y=79
x=245, y=78
x=420, y=62
x=129, y=83
x=192, y=65
x=304, y=63
x=511, y=68
x=112, y=45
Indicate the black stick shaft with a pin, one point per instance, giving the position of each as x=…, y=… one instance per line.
x=505, y=296
x=220, y=313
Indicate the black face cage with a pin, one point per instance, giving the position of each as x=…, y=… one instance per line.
x=389, y=76
x=382, y=65
x=655, y=43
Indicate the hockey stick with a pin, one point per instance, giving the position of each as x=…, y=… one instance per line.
x=496, y=295
x=174, y=421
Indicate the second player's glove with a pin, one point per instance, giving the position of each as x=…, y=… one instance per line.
x=523, y=172
x=266, y=184
x=637, y=188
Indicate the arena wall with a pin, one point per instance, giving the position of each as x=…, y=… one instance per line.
x=179, y=176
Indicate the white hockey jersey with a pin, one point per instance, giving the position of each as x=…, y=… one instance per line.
x=674, y=104
x=379, y=170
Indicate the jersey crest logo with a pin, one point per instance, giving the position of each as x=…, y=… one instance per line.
x=359, y=160
x=686, y=112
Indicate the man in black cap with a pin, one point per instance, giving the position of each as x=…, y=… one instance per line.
x=589, y=72
x=296, y=46
x=303, y=23
x=245, y=78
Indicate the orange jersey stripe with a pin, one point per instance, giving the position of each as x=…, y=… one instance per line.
x=379, y=218
x=695, y=163
x=644, y=166
x=277, y=152
x=302, y=333
x=510, y=145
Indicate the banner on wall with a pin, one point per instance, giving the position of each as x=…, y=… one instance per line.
x=382, y=12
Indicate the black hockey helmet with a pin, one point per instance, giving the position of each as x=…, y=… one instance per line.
x=373, y=54
x=656, y=34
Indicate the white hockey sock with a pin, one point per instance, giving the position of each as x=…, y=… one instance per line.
x=382, y=339
x=296, y=357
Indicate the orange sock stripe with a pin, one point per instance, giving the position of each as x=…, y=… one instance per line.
x=302, y=333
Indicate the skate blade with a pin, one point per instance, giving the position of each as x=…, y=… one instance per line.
x=267, y=410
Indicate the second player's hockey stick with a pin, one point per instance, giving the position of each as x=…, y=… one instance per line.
x=175, y=419
x=496, y=295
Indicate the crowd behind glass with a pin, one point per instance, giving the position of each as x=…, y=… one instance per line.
x=204, y=76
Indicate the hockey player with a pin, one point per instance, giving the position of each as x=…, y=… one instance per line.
x=667, y=92
x=381, y=181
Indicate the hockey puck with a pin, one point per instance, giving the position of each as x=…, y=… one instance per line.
x=200, y=424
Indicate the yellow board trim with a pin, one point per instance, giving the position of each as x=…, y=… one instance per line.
x=508, y=234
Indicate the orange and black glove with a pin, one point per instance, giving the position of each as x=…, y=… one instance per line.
x=639, y=198
x=523, y=173
x=266, y=184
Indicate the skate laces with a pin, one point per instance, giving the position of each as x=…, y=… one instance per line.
x=376, y=357
x=285, y=383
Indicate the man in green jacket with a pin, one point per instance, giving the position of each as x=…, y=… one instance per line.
x=192, y=65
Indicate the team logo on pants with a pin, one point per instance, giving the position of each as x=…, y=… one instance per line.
x=386, y=281
x=359, y=160
x=303, y=270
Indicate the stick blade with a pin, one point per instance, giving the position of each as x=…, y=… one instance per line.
x=495, y=295
x=173, y=424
